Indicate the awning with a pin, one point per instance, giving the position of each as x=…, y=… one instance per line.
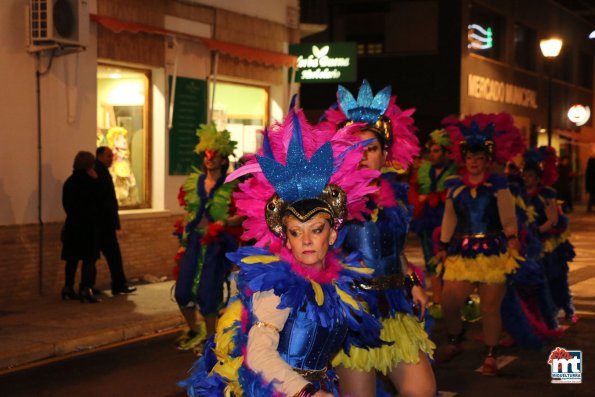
x=250, y=54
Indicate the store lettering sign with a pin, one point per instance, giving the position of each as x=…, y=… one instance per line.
x=499, y=91
x=325, y=62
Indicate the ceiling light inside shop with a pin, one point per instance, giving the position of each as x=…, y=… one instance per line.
x=115, y=75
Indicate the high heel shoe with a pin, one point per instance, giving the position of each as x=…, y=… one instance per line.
x=69, y=294
x=86, y=294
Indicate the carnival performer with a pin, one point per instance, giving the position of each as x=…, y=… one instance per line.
x=399, y=300
x=206, y=236
x=428, y=196
x=478, y=237
x=539, y=173
x=297, y=303
x=527, y=308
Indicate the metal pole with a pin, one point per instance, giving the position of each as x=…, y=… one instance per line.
x=549, y=104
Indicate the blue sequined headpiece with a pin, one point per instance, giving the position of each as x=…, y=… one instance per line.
x=476, y=139
x=368, y=108
x=301, y=186
x=299, y=178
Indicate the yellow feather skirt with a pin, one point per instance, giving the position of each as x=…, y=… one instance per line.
x=482, y=268
x=409, y=340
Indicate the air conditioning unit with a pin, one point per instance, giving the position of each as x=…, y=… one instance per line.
x=58, y=22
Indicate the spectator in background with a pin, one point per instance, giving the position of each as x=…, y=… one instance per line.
x=79, y=235
x=564, y=184
x=109, y=222
x=590, y=180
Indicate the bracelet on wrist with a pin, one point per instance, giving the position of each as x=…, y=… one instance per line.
x=411, y=280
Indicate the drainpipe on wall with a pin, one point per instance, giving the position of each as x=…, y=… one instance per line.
x=38, y=75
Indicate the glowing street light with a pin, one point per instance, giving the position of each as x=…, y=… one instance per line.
x=550, y=48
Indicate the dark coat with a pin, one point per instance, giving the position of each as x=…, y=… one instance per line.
x=590, y=176
x=79, y=235
x=108, y=203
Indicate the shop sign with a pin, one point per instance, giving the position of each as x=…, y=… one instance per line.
x=325, y=62
x=579, y=114
x=479, y=38
x=499, y=91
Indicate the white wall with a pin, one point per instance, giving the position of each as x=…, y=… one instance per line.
x=270, y=10
x=18, y=118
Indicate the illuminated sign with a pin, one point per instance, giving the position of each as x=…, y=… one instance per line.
x=325, y=62
x=579, y=114
x=499, y=91
x=479, y=38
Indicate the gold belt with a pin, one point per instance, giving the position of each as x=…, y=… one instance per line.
x=312, y=375
x=384, y=282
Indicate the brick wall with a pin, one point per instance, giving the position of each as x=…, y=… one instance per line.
x=147, y=248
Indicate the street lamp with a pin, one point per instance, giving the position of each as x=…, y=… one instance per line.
x=550, y=48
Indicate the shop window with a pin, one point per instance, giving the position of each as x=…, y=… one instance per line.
x=525, y=47
x=122, y=124
x=486, y=33
x=243, y=111
x=585, y=70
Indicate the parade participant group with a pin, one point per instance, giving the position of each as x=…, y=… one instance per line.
x=291, y=271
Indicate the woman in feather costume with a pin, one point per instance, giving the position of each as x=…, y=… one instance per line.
x=398, y=298
x=539, y=173
x=298, y=304
x=479, y=230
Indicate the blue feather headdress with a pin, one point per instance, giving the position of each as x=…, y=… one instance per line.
x=477, y=139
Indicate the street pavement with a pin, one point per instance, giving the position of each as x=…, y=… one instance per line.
x=40, y=334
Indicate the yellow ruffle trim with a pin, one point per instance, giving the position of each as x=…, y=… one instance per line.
x=408, y=337
x=551, y=244
x=482, y=268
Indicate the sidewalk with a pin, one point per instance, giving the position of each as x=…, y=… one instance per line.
x=49, y=327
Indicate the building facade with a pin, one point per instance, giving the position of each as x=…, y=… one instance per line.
x=139, y=76
x=447, y=57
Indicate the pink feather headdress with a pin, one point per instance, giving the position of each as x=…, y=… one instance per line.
x=367, y=110
x=255, y=192
x=496, y=132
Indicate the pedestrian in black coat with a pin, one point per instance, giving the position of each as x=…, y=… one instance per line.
x=109, y=221
x=80, y=233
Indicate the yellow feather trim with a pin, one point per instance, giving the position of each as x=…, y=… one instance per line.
x=364, y=270
x=482, y=269
x=473, y=192
x=409, y=341
x=551, y=244
x=346, y=298
x=250, y=260
x=458, y=191
x=374, y=215
x=318, y=294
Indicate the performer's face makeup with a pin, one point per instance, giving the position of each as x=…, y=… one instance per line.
x=374, y=155
x=436, y=155
x=476, y=163
x=212, y=160
x=531, y=179
x=309, y=241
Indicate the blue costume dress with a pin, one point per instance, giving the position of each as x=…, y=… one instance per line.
x=430, y=217
x=204, y=267
x=526, y=307
x=381, y=239
x=478, y=250
x=323, y=318
x=557, y=251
